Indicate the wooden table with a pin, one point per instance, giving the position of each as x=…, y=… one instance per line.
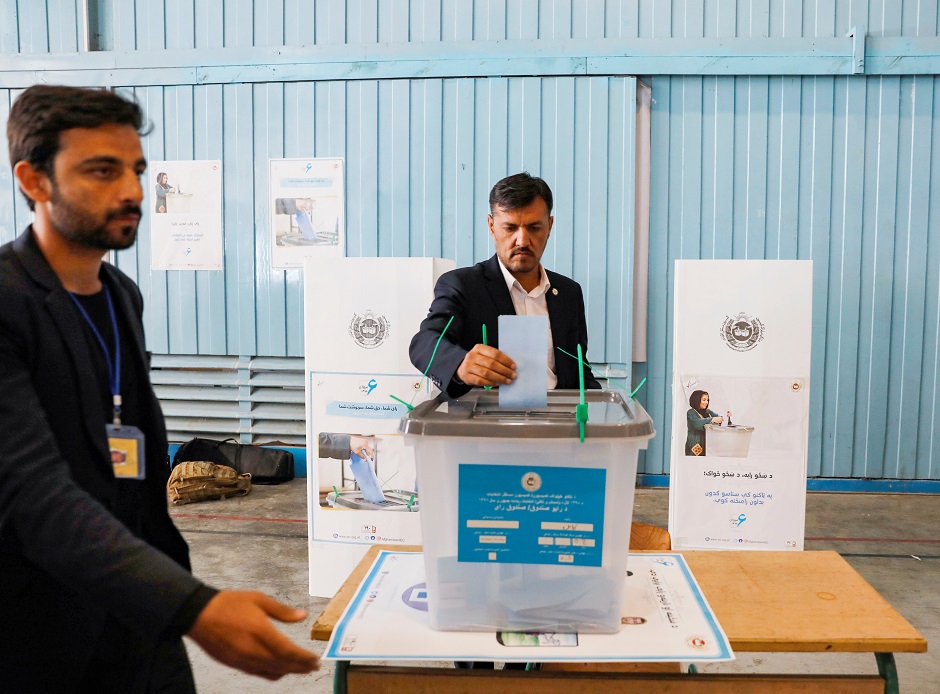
x=765, y=602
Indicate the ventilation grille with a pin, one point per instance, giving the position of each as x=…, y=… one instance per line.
x=250, y=399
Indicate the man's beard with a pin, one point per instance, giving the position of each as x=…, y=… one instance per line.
x=522, y=261
x=78, y=227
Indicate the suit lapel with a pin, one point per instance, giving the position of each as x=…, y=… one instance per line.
x=69, y=324
x=555, y=305
x=559, y=318
x=496, y=286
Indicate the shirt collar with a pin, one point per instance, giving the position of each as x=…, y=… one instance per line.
x=511, y=281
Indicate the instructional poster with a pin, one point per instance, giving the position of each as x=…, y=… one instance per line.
x=185, y=200
x=308, y=210
x=359, y=317
x=740, y=404
x=364, y=478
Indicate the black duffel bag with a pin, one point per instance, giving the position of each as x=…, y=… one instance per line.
x=265, y=465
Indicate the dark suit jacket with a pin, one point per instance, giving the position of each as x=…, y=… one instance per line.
x=68, y=564
x=478, y=295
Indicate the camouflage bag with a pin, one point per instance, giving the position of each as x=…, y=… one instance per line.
x=200, y=480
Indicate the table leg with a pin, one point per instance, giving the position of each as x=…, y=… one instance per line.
x=888, y=670
x=339, y=676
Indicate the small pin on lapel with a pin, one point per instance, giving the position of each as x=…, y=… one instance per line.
x=554, y=291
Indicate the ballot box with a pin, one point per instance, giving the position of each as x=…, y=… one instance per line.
x=179, y=203
x=729, y=441
x=525, y=527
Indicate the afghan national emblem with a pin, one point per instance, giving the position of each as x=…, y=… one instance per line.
x=742, y=332
x=368, y=330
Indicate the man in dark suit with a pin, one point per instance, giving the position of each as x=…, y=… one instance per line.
x=96, y=578
x=512, y=282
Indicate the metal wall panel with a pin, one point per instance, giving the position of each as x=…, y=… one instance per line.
x=149, y=24
x=53, y=26
x=421, y=157
x=27, y=26
x=842, y=171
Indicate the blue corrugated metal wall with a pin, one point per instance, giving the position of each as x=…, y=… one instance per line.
x=421, y=156
x=837, y=169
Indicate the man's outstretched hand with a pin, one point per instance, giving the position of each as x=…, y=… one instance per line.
x=235, y=628
x=486, y=366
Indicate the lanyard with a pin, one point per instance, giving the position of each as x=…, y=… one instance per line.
x=114, y=367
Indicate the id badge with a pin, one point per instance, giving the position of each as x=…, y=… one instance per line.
x=126, y=444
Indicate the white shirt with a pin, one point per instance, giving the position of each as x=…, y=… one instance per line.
x=533, y=304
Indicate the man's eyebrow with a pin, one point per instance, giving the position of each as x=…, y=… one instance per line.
x=105, y=159
x=101, y=159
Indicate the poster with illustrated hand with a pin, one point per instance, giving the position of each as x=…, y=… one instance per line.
x=308, y=204
x=740, y=404
x=363, y=487
x=185, y=201
x=359, y=317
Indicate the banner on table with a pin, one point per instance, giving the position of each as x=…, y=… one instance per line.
x=665, y=617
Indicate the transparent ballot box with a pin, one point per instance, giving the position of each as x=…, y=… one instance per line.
x=524, y=526
x=728, y=442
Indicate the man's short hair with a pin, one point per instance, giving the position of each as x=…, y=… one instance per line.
x=519, y=190
x=43, y=111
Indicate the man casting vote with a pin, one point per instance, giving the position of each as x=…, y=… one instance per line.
x=512, y=282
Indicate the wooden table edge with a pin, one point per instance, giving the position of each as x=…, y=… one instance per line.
x=322, y=627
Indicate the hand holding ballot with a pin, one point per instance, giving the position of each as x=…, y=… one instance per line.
x=359, y=443
x=486, y=366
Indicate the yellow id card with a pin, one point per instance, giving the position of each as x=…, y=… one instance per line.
x=126, y=445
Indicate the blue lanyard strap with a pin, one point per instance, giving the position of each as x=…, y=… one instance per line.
x=114, y=367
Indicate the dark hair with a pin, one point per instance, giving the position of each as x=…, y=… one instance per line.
x=43, y=111
x=519, y=190
x=695, y=402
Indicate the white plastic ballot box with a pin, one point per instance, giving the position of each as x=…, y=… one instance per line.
x=525, y=527
x=728, y=442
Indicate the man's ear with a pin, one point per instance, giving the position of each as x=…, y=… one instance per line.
x=489, y=221
x=35, y=184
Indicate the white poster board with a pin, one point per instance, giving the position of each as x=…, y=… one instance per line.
x=308, y=210
x=185, y=200
x=741, y=346
x=665, y=618
x=360, y=316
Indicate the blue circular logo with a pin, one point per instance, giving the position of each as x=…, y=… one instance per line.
x=416, y=597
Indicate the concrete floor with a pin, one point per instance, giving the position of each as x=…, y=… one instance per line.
x=258, y=542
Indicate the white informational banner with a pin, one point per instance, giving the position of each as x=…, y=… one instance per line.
x=360, y=316
x=665, y=617
x=185, y=200
x=741, y=366
x=308, y=210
